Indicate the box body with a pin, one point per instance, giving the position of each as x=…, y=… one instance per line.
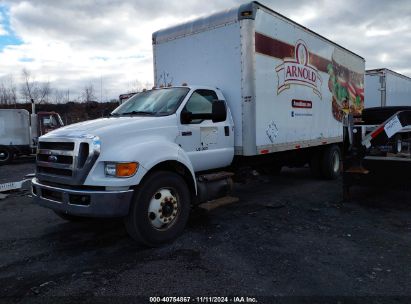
x=287, y=87
x=14, y=127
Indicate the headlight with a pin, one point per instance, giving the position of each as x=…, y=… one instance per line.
x=96, y=144
x=121, y=169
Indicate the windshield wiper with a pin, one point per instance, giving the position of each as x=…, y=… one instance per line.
x=137, y=112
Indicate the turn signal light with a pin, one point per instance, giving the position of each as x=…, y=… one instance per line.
x=126, y=169
x=121, y=169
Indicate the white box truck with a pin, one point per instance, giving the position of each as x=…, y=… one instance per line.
x=386, y=88
x=245, y=85
x=20, y=130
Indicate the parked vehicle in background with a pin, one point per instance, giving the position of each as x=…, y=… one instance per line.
x=124, y=97
x=386, y=93
x=377, y=149
x=241, y=87
x=19, y=131
x=386, y=88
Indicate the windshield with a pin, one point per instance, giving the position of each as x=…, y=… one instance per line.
x=158, y=102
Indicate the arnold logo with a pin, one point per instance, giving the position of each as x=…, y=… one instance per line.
x=298, y=71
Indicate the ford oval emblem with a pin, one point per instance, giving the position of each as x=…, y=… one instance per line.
x=52, y=158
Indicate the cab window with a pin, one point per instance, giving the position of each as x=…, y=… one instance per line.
x=200, y=102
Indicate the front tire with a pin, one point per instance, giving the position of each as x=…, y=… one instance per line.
x=159, y=210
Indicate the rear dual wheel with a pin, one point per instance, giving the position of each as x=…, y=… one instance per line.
x=159, y=210
x=331, y=162
x=326, y=163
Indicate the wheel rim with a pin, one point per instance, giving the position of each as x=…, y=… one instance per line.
x=4, y=155
x=336, y=162
x=163, y=209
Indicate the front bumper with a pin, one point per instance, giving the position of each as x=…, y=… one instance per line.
x=88, y=203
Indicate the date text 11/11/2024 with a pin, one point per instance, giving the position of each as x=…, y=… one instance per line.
x=203, y=300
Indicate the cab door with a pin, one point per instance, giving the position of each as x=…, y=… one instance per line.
x=208, y=144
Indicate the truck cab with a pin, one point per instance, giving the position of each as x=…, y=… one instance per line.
x=47, y=122
x=142, y=163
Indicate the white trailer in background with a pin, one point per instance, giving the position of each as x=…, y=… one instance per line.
x=386, y=88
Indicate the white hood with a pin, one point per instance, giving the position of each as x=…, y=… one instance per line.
x=115, y=127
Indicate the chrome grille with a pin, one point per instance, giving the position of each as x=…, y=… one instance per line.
x=64, y=160
x=56, y=158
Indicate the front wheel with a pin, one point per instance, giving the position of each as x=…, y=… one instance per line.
x=159, y=210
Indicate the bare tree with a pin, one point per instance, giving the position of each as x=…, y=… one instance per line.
x=88, y=93
x=12, y=90
x=44, y=92
x=8, y=91
x=28, y=89
x=33, y=90
x=59, y=96
x=3, y=93
x=138, y=86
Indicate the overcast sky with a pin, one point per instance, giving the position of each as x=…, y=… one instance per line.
x=74, y=43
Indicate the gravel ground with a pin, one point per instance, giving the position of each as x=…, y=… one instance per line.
x=289, y=235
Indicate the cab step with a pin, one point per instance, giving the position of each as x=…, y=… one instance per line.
x=219, y=202
x=211, y=187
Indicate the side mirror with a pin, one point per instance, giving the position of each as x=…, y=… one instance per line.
x=219, y=111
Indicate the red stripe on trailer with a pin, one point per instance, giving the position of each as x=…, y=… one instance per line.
x=279, y=49
x=377, y=132
x=264, y=151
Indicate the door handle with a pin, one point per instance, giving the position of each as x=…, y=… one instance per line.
x=186, y=133
x=227, y=131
